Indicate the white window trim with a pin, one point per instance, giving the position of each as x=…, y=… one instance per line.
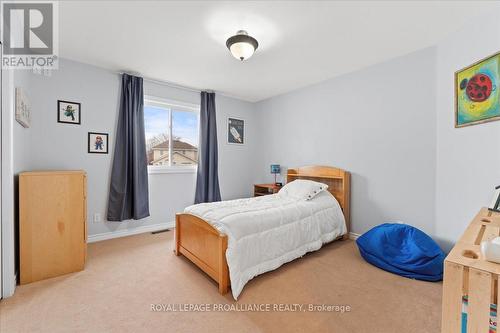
x=159, y=169
x=163, y=102
x=177, y=106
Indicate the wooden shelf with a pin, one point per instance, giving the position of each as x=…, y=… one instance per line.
x=468, y=274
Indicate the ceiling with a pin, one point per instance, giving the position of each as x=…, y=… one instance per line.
x=300, y=42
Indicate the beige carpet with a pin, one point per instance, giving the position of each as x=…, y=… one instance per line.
x=123, y=277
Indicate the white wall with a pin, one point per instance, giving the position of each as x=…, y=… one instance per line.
x=391, y=125
x=61, y=146
x=377, y=123
x=15, y=158
x=468, y=158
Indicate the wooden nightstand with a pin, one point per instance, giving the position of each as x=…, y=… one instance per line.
x=265, y=189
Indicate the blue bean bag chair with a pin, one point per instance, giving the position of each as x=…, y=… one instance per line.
x=403, y=250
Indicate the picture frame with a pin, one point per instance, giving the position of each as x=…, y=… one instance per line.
x=477, y=95
x=235, y=131
x=69, y=112
x=98, y=143
x=495, y=201
x=23, y=109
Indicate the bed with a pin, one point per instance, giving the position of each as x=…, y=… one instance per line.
x=237, y=240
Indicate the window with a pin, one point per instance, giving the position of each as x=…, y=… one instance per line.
x=171, y=134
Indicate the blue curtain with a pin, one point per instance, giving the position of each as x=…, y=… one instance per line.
x=128, y=191
x=207, y=181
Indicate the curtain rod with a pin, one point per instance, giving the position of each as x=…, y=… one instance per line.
x=167, y=83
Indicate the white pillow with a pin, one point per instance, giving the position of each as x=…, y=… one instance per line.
x=303, y=189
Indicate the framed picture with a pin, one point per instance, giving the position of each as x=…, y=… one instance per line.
x=98, y=143
x=23, y=108
x=68, y=112
x=495, y=202
x=235, y=131
x=476, y=92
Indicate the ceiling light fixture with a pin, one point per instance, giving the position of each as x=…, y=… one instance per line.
x=241, y=45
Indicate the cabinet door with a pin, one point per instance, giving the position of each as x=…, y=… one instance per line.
x=52, y=234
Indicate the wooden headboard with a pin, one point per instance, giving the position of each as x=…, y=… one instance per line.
x=338, y=181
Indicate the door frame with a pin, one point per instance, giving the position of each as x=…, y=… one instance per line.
x=1, y=101
x=8, y=279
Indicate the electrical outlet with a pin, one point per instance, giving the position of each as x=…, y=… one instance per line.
x=97, y=218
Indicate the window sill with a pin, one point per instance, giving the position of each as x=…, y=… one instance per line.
x=159, y=170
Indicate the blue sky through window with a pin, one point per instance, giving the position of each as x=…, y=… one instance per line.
x=155, y=121
x=184, y=124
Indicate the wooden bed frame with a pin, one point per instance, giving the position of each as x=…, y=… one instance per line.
x=198, y=241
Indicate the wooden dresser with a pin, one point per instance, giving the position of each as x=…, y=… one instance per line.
x=52, y=223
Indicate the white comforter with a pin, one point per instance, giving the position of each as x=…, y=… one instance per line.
x=268, y=231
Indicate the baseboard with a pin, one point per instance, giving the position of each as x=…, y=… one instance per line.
x=353, y=235
x=130, y=232
x=151, y=228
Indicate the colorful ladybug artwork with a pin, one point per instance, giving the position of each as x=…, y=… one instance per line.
x=477, y=97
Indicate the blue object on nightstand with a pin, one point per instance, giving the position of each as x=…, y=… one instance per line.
x=275, y=169
x=403, y=250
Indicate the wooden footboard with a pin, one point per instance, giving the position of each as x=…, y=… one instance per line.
x=204, y=246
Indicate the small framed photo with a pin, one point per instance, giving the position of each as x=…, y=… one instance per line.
x=68, y=112
x=495, y=202
x=23, y=108
x=235, y=131
x=98, y=143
